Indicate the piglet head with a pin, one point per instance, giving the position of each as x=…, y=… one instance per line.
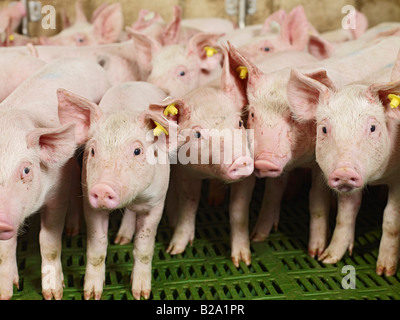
x=281, y=32
x=31, y=159
x=178, y=69
x=105, y=27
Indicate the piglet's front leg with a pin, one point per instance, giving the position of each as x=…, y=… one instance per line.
x=343, y=235
x=319, y=201
x=188, y=193
x=8, y=267
x=390, y=241
x=127, y=228
x=96, y=251
x=146, y=230
x=241, y=193
x=270, y=209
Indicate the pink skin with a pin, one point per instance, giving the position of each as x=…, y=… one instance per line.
x=283, y=32
x=165, y=33
x=291, y=138
x=20, y=68
x=117, y=58
x=116, y=130
x=178, y=69
x=357, y=145
x=105, y=27
x=197, y=115
x=30, y=120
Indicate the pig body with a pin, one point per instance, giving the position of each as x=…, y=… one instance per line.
x=36, y=164
x=357, y=144
x=119, y=59
x=186, y=177
x=117, y=174
x=20, y=66
x=291, y=142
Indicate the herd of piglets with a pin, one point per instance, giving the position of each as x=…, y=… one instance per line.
x=146, y=105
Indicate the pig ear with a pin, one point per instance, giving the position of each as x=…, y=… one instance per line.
x=56, y=144
x=231, y=84
x=396, y=69
x=305, y=91
x=146, y=47
x=361, y=25
x=295, y=29
x=79, y=13
x=97, y=12
x=109, y=23
x=319, y=47
x=253, y=76
x=381, y=92
x=173, y=28
x=146, y=18
x=79, y=110
x=198, y=46
x=66, y=23
x=159, y=112
x=274, y=22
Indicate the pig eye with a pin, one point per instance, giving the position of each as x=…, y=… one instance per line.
x=252, y=114
x=197, y=135
x=266, y=49
x=373, y=128
x=240, y=123
x=182, y=73
x=137, y=151
x=26, y=171
x=324, y=130
x=92, y=152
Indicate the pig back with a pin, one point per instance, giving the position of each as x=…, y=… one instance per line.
x=134, y=96
x=38, y=93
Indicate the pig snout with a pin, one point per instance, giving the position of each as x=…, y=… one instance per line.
x=345, y=179
x=7, y=230
x=103, y=195
x=242, y=167
x=266, y=166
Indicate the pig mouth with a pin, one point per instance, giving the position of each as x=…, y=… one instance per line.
x=6, y=231
x=267, y=168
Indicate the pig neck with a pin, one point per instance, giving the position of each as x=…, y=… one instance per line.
x=155, y=192
x=391, y=172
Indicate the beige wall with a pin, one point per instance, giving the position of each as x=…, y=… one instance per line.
x=324, y=14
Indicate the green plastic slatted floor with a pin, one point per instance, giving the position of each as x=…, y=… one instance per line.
x=280, y=268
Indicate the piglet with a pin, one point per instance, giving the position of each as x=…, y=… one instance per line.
x=272, y=112
x=120, y=170
x=104, y=27
x=180, y=68
x=215, y=147
x=357, y=143
x=36, y=165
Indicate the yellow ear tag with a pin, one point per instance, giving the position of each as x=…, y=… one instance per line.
x=171, y=109
x=210, y=51
x=242, y=71
x=159, y=129
x=394, y=101
x=11, y=37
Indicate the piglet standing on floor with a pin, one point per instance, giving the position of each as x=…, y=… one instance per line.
x=357, y=143
x=36, y=163
x=121, y=169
